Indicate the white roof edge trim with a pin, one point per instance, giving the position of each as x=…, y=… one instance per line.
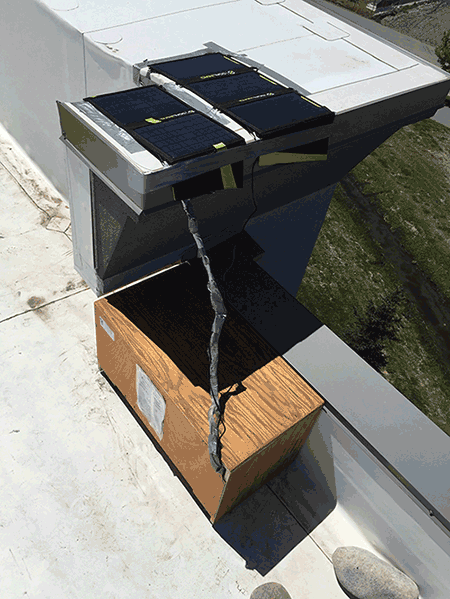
x=355, y=95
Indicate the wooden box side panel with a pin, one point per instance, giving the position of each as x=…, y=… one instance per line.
x=265, y=465
x=182, y=443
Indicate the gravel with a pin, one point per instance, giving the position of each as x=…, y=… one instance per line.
x=365, y=576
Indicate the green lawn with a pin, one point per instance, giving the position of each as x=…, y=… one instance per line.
x=397, y=235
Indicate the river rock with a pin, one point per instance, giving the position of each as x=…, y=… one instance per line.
x=270, y=590
x=365, y=576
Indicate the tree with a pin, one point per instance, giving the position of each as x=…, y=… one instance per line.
x=443, y=51
x=372, y=329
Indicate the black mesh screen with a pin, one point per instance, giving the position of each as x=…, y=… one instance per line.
x=122, y=243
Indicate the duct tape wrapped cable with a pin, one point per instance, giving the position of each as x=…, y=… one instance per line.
x=220, y=313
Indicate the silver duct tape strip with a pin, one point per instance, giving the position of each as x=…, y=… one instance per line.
x=114, y=131
x=220, y=313
x=201, y=105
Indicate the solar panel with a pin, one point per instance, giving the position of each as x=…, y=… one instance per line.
x=248, y=97
x=185, y=137
x=173, y=131
x=234, y=89
x=283, y=113
x=169, y=128
x=138, y=104
x=200, y=67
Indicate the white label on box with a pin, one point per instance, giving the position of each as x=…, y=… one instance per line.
x=150, y=401
x=107, y=328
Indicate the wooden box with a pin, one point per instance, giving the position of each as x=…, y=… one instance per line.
x=152, y=341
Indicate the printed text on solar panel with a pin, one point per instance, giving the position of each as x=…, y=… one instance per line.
x=202, y=67
x=236, y=89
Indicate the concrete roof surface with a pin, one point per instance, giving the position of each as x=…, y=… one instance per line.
x=89, y=507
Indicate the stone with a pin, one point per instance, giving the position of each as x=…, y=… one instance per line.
x=270, y=590
x=365, y=576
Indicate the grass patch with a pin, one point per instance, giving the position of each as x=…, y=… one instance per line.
x=415, y=370
x=408, y=175
x=410, y=181
x=345, y=267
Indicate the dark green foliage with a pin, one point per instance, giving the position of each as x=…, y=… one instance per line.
x=372, y=329
x=443, y=52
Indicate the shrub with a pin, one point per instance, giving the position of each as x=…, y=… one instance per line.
x=443, y=52
x=368, y=335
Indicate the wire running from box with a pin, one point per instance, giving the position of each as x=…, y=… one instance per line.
x=220, y=313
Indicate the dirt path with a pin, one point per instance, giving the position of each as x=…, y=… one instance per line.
x=426, y=23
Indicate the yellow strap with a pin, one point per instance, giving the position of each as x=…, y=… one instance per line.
x=226, y=171
x=288, y=158
x=311, y=102
x=269, y=80
x=228, y=177
x=235, y=61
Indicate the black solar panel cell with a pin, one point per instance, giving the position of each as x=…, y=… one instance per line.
x=283, y=112
x=199, y=66
x=222, y=91
x=185, y=137
x=139, y=104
